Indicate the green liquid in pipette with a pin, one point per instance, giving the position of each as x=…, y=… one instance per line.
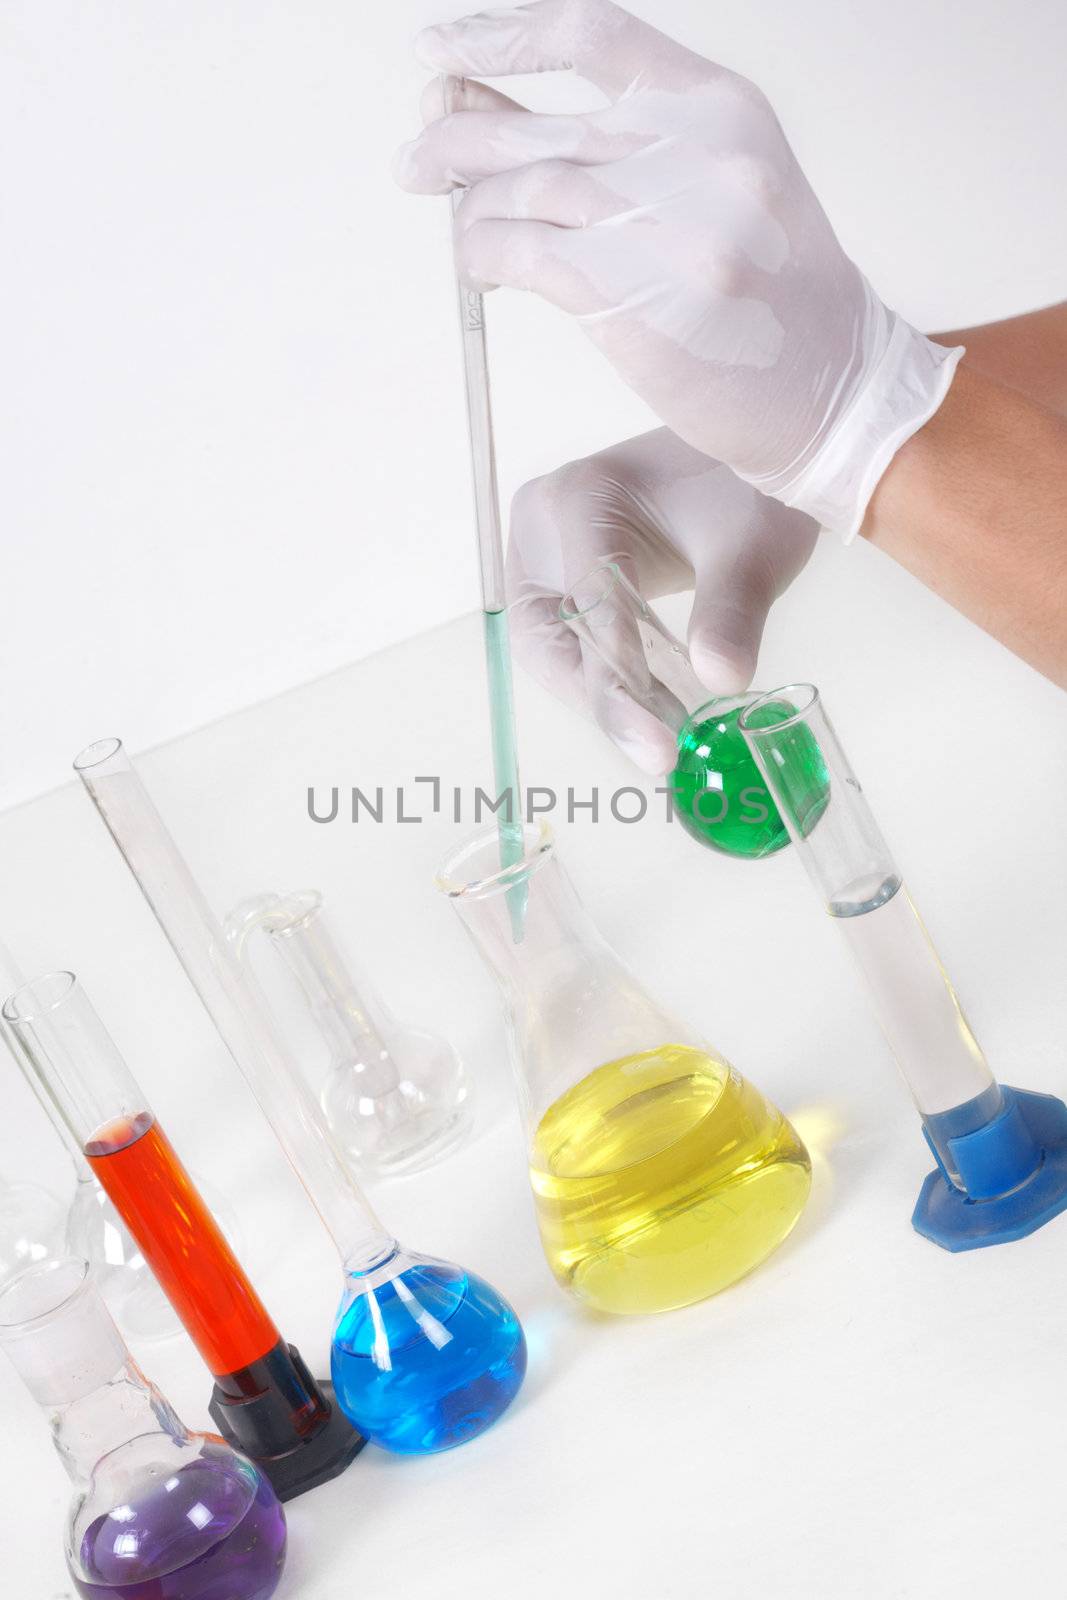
x=505, y=756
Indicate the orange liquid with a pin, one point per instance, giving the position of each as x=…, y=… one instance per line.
x=182, y=1243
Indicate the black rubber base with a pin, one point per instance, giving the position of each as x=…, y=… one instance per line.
x=275, y=1413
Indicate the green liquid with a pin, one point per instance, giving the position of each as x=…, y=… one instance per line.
x=719, y=794
x=505, y=756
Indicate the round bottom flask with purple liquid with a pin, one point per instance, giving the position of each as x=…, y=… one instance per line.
x=158, y=1512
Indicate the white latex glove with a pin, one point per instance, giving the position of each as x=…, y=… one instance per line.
x=676, y=521
x=677, y=226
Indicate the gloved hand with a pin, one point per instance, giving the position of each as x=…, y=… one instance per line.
x=677, y=226
x=675, y=521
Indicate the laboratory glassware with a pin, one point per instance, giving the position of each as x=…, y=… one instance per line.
x=424, y=1354
x=716, y=789
x=264, y=1400
x=32, y=1225
x=92, y=1229
x=396, y=1098
x=491, y=568
x=1001, y=1153
x=659, y=1174
x=32, y=1220
x=156, y=1511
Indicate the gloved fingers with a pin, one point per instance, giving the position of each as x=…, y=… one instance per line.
x=642, y=737
x=562, y=526
x=556, y=191
x=555, y=657
x=445, y=94
x=460, y=149
x=730, y=605
x=606, y=45
x=536, y=256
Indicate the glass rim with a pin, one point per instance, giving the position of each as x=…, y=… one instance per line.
x=569, y=608
x=96, y=754
x=48, y=992
x=67, y=1290
x=804, y=698
x=292, y=911
x=538, y=847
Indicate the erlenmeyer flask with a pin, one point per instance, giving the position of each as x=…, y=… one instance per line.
x=396, y=1098
x=635, y=669
x=156, y=1510
x=660, y=1175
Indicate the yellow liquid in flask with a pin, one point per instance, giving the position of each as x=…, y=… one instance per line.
x=661, y=1178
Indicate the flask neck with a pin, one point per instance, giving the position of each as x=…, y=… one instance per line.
x=558, y=939
x=59, y=1336
x=126, y=1407
x=571, y=1004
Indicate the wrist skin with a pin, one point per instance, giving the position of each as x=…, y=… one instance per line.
x=975, y=506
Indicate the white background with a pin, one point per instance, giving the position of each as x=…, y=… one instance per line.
x=232, y=429
x=231, y=437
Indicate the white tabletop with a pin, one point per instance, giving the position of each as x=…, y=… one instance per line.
x=866, y=1415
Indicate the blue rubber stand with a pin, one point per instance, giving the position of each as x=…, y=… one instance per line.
x=1014, y=1170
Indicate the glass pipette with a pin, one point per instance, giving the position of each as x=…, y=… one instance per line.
x=494, y=598
x=424, y=1355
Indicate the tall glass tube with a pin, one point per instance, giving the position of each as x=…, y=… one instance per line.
x=234, y=1002
x=645, y=694
x=1002, y=1152
x=264, y=1401
x=857, y=880
x=424, y=1355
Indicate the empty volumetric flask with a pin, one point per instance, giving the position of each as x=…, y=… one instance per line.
x=425, y=1355
x=659, y=1174
x=264, y=1400
x=158, y=1512
x=1001, y=1153
x=32, y=1225
x=635, y=671
x=396, y=1098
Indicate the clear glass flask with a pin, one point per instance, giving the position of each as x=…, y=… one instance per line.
x=264, y=1399
x=32, y=1226
x=636, y=669
x=396, y=1097
x=425, y=1355
x=157, y=1512
x=1001, y=1152
x=659, y=1174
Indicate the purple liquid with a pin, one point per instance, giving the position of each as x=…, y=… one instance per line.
x=214, y=1531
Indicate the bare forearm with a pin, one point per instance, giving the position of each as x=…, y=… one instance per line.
x=1028, y=353
x=975, y=505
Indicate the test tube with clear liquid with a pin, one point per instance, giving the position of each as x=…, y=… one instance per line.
x=1001, y=1152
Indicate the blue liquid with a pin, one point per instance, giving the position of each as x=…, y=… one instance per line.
x=428, y=1360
